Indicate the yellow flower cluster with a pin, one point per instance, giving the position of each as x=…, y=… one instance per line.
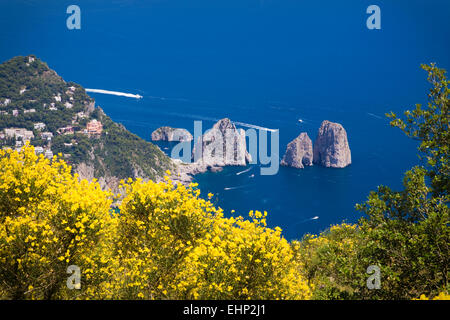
x=171, y=244
x=48, y=221
x=440, y=296
x=163, y=242
x=242, y=259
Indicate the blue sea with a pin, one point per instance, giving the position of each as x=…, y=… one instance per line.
x=263, y=62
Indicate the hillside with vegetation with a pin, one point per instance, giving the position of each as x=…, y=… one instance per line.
x=166, y=242
x=59, y=117
x=405, y=233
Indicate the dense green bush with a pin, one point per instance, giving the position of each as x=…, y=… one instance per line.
x=405, y=233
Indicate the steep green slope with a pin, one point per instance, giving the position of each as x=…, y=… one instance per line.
x=31, y=93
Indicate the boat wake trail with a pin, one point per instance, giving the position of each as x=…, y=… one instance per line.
x=234, y=188
x=115, y=93
x=374, y=115
x=253, y=126
x=306, y=220
x=247, y=170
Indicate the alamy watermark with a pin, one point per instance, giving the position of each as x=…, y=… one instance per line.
x=74, y=280
x=374, y=20
x=374, y=280
x=74, y=20
x=220, y=147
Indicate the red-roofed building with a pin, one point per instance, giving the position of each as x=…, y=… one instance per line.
x=94, y=127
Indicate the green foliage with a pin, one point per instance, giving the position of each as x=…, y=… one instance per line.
x=408, y=237
x=405, y=233
x=332, y=264
x=123, y=154
x=42, y=85
x=408, y=231
x=116, y=153
x=79, y=151
x=429, y=124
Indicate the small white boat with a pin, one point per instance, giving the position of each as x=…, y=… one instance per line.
x=300, y=120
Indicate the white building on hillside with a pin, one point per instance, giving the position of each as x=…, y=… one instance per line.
x=39, y=126
x=48, y=154
x=38, y=150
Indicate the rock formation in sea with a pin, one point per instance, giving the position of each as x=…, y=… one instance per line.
x=299, y=152
x=331, y=147
x=171, y=134
x=223, y=145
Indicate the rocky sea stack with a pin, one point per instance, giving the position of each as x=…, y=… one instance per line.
x=299, y=152
x=223, y=145
x=331, y=147
x=171, y=134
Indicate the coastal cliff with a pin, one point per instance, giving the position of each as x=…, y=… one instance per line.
x=58, y=117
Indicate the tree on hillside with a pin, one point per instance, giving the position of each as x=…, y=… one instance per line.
x=405, y=233
x=408, y=231
x=429, y=124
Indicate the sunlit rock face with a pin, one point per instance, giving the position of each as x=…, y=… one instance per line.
x=223, y=145
x=331, y=148
x=171, y=134
x=299, y=152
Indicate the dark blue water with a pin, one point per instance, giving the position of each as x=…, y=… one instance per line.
x=266, y=63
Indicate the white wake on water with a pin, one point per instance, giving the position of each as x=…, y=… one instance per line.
x=374, y=115
x=306, y=220
x=234, y=188
x=115, y=93
x=247, y=170
x=247, y=125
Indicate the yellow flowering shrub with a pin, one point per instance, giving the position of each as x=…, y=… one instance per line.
x=241, y=259
x=441, y=296
x=171, y=244
x=163, y=242
x=48, y=221
x=159, y=223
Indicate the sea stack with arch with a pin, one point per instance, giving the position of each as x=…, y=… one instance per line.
x=331, y=148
